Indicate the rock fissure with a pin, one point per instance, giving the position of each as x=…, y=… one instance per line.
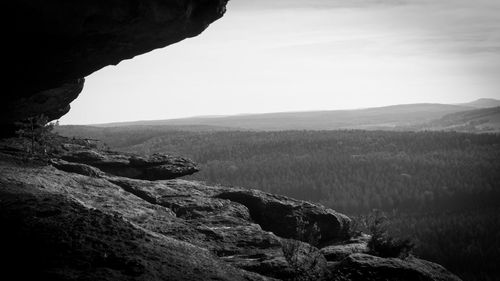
x=140, y=194
x=290, y=218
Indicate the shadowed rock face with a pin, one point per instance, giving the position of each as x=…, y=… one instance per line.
x=53, y=103
x=56, y=43
x=51, y=237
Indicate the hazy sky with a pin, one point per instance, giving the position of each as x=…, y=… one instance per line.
x=296, y=55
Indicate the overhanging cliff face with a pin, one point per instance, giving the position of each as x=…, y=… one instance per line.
x=56, y=43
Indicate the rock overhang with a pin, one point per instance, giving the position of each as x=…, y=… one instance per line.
x=57, y=43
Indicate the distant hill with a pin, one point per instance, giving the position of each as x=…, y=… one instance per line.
x=482, y=103
x=383, y=118
x=476, y=116
x=483, y=120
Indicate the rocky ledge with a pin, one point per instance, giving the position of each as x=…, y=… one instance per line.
x=154, y=167
x=76, y=221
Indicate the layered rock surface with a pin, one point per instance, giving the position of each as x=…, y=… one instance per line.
x=77, y=222
x=154, y=167
x=56, y=43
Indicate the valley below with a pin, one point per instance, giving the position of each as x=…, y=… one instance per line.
x=440, y=189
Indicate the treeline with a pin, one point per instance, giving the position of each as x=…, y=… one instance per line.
x=350, y=171
x=441, y=188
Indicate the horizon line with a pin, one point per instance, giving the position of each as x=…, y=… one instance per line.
x=275, y=112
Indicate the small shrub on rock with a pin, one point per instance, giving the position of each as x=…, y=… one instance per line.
x=306, y=261
x=381, y=243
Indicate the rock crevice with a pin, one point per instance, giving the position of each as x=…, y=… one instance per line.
x=290, y=218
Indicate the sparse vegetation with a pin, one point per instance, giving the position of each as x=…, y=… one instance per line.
x=382, y=243
x=356, y=228
x=307, y=262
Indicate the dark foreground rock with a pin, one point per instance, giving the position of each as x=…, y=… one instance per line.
x=72, y=221
x=51, y=237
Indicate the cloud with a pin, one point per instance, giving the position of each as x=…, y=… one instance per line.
x=456, y=26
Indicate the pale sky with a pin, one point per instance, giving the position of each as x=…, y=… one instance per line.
x=298, y=55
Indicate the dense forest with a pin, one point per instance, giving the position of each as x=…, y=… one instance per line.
x=440, y=188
